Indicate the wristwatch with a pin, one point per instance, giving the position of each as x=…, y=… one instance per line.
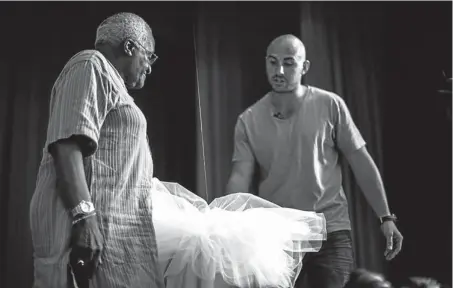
x=391, y=217
x=83, y=208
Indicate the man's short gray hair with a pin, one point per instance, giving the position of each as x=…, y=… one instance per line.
x=119, y=27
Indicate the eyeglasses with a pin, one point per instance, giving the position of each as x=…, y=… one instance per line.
x=152, y=57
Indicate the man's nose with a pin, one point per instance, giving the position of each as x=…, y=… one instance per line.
x=279, y=70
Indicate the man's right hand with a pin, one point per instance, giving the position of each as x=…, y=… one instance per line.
x=86, y=244
x=86, y=239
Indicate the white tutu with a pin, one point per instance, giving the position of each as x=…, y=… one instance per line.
x=247, y=240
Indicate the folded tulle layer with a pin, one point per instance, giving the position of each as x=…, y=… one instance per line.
x=246, y=239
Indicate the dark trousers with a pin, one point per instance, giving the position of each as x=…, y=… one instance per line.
x=331, y=266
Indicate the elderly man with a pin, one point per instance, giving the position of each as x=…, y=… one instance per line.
x=295, y=134
x=89, y=211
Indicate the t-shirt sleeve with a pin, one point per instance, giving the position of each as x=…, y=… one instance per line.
x=242, y=149
x=81, y=100
x=348, y=137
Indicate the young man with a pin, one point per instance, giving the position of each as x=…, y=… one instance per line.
x=295, y=134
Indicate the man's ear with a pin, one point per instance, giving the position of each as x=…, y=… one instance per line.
x=128, y=47
x=306, y=67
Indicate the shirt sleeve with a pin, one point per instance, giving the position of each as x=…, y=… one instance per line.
x=348, y=137
x=242, y=149
x=81, y=100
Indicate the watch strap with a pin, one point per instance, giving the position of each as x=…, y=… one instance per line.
x=391, y=217
x=81, y=217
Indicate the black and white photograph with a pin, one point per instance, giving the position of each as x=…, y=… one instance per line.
x=229, y=144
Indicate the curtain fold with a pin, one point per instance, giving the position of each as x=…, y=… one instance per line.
x=219, y=96
x=219, y=91
x=24, y=128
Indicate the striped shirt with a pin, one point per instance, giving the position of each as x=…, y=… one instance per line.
x=90, y=98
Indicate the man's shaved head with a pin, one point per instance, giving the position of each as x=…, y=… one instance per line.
x=286, y=63
x=288, y=45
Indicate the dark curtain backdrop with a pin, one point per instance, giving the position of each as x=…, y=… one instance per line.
x=385, y=59
x=417, y=135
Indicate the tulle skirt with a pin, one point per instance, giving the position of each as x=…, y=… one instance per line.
x=249, y=241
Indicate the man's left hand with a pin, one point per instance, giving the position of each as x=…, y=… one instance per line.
x=394, y=239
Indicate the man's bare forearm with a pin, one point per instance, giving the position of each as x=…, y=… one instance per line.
x=237, y=184
x=71, y=178
x=370, y=182
x=241, y=177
